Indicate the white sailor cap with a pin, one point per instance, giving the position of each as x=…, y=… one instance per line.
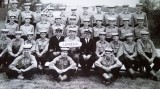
x=125, y=5
x=18, y=32
x=139, y=4
x=86, y=20
x=43, y=31
x=43, y=13
x=38, y=4
x=27, y=17
x=99, y=19
x=85, y=7
x=125, y=19
x=73, y=9
x=112, y=19
x=27, y=4
x=88, y=31
x=144, y=32
x=102, y=33
x=98, y=5
x=30, y=33
x=108, y=50
x=50, y=8
x=64, y=49
x=115, y=34
x=57, y=17
x=14, y=2
x=27, y=46
x=59, y=29
x=12, y=16
x=62, y=8
x=111, y=6
x=140, y=18
x=129, y=34
x=4, y=30
x=72, y=18
x=72, y=29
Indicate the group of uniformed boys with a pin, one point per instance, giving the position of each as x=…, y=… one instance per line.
x=30, y=40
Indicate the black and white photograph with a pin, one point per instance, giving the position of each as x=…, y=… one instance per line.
x=79, y=44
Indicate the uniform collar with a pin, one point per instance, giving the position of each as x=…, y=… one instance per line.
x=45, y=22
x=27, y=11
x=43, y=39
x=14, y=10
x=138, y=12
x=99, y=27
x=26, y=25
x=85, y=13
x=62, y=15
x=129, y=42
x=72, y=26
x=38, y=11
x=102, y=42
x=116, y=42
x=11, y=23
x=3, y=38
x=112, y=27
x=125, y=12
x=50, y=15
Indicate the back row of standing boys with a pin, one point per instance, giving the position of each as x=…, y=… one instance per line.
x=108, y=41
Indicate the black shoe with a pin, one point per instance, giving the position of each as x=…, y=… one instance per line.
x=132, y=76
x=154, y=78
x=57, y=79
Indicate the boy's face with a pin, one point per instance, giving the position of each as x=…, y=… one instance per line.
x=112, y=23
x=14, y=5
x=27, y=20
x=64, y=53
x=129, y=38
x=115, y=38
x=144, y=37
x=99, y=22
x=102, y=37
x=4, y=34
x=125, y=8
x=27, y=7
x=98, y=9
x=18, y=36
x=38, y=8
x=30, y=37
x=43, y=35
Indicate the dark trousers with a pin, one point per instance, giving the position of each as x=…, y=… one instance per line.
x=41, y=60
x=75, y=57
x=96, y=38
x=11, y=58
x=3, y=58
x=144, y=62
x=86, y=65
x=114, y=72
x=55, y=74
x=11, y=36
x=24, y=37
x=108, y=39
x=130, y=63
x=14, y=74
x=51, y=57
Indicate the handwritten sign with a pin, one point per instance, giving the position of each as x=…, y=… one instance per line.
x=70, y=44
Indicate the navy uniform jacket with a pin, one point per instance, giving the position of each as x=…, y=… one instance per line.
x=54, y=43
x=87, y=48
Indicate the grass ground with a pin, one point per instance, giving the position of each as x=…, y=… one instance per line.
x=93, y=82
